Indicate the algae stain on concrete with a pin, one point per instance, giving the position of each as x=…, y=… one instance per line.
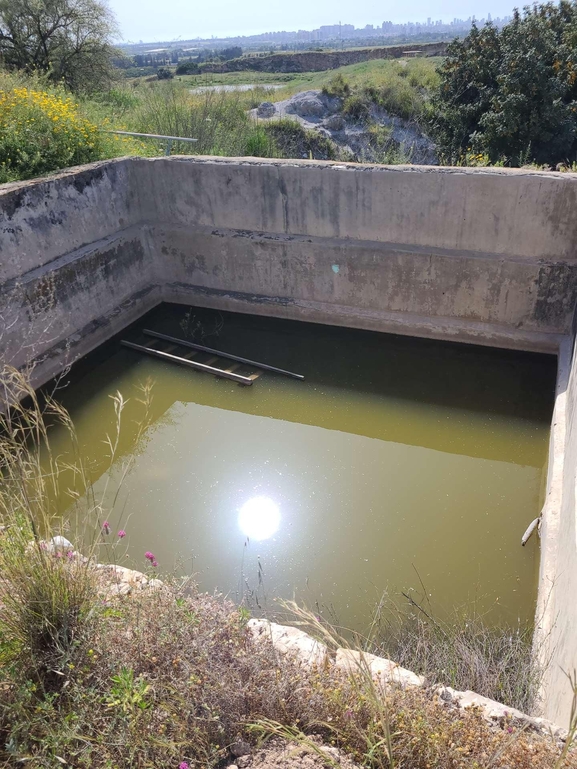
x=395, y=456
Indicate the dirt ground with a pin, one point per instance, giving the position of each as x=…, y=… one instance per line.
x=279, y=754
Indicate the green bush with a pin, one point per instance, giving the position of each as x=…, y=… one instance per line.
x=188, y=68
x=358, y=107
x=294, y=141
x=512, y=93
x=43, y=131
x=337, y=86
x=164, y=73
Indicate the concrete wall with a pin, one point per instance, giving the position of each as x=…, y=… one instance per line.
x=484, y=256
x=556, y=617
x=477, y=255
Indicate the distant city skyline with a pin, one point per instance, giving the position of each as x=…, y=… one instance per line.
x=147, y=21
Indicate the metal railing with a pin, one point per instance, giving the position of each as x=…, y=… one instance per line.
x=167, y=139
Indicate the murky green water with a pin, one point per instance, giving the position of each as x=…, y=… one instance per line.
x=398, y=461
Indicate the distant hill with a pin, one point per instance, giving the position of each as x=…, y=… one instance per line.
x=318, y=61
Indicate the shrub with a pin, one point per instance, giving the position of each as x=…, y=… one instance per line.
x=357, y=107
x=164, y=73
x=259, y=144
x=337, y=86
x=512, y=92
x=188, y=68
x=294, y=141
x=43, y=131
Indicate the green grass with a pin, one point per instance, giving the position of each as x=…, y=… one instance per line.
x=377, y=73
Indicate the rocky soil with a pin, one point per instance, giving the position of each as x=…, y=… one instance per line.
x=323, y=114
x=278, y=754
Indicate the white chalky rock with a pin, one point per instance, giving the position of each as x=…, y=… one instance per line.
x=289, y=639
x=496, y=712
x=121, y=581
x=60, y=543
x=382, y=670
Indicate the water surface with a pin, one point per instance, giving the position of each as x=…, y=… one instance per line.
x=398, y=463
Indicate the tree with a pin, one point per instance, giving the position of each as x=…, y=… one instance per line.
x=511, y=94
x=70, y=41
x=188, y=68
x=234, y=52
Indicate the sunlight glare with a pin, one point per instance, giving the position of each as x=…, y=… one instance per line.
x=259, y=518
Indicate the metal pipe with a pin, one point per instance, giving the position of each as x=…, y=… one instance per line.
x=221, y=354
x=185, y=362
x=155, y=136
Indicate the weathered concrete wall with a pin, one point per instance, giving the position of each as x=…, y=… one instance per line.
x=476, y=255
x=75, y=266
x=556, y=617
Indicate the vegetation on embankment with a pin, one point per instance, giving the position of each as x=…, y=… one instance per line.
x=44, y=128
x=500, y=97
x=167, y=676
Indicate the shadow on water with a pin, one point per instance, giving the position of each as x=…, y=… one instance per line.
x=360, y=365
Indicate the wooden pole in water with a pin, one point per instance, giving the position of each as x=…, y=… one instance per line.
x=244, y=380
x=221, y=354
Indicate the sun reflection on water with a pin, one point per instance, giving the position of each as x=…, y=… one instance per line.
x=259, y=518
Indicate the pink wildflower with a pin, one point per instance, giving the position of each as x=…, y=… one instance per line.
x=70, y=555
x=149, y=556
x=183, y=765
x=43, y=546
x=106, y=528
x=58, y=554
x=155, y=563
x=121, y=534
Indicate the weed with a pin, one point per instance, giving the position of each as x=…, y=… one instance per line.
x=337, y=86
x=127, y=692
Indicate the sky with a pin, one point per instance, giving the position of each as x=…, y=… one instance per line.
x=149, y=20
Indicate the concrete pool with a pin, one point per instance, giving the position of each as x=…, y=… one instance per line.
x=481, y=256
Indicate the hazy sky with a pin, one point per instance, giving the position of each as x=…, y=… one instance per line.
x=151, y=20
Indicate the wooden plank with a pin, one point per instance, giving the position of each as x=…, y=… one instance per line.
x=221, y=354
x=184, y=362
x=232, y=368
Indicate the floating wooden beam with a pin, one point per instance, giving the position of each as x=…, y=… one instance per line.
x=221, y=354
x=190, y=363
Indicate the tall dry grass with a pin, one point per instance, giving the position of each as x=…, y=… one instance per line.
x=47, y=586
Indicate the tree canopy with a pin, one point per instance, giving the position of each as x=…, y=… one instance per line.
x=70, y=41
x=511, y=94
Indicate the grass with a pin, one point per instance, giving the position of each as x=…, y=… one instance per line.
x=219, y=120
x=461, y=650
x=173, y=675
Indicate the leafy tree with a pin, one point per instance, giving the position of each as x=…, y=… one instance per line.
x=234, y=52
x=188, y=68
x=164, y=73
x=511, y=94
x=68, y=40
